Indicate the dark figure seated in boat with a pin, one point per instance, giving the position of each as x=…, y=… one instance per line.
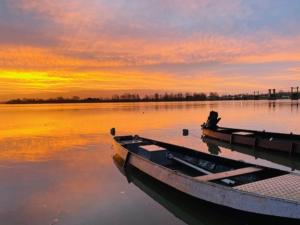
x=212, y=121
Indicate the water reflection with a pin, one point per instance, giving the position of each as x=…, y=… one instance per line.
x=213, y=149
x=190, y=210
x=272, y=105
x=57, y=158
x=294, y=106
x=293, y=163
x=42, y=148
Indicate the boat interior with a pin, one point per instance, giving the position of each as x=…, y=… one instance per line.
x=198, y=165
x=261, y=134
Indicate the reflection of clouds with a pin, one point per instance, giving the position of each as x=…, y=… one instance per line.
x=40, y=132
x=56, y=160
x=42, y=148
x=33, y=133
x=70, y=187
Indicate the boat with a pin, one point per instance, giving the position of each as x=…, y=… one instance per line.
x=221, y=181
x=277, y=142
x=188, y=209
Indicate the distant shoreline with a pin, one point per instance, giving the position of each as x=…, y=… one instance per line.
x=167, y=97
x=142, y=101
x=82, y=102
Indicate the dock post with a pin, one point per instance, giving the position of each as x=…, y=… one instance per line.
x=185, y=132
x=113, y=131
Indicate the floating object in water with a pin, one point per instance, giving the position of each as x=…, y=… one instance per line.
x=113, y=131
x=234, y=184
x=280, y=142
x=185, y=132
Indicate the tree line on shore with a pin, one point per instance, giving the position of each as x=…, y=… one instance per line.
x=132, y=97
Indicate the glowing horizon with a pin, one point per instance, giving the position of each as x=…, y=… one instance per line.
x=51, y=48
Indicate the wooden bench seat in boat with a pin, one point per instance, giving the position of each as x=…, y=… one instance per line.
x=227, y=174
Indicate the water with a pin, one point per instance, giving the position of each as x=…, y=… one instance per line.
x=56, y=163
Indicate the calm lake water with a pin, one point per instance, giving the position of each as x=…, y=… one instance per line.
x=56, y=163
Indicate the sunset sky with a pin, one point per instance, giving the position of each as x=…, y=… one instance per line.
x=95, y=48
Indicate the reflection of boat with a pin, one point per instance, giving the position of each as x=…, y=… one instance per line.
x=288, y=143
x=292, y=162
x=217, y=180
x=190, y=210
